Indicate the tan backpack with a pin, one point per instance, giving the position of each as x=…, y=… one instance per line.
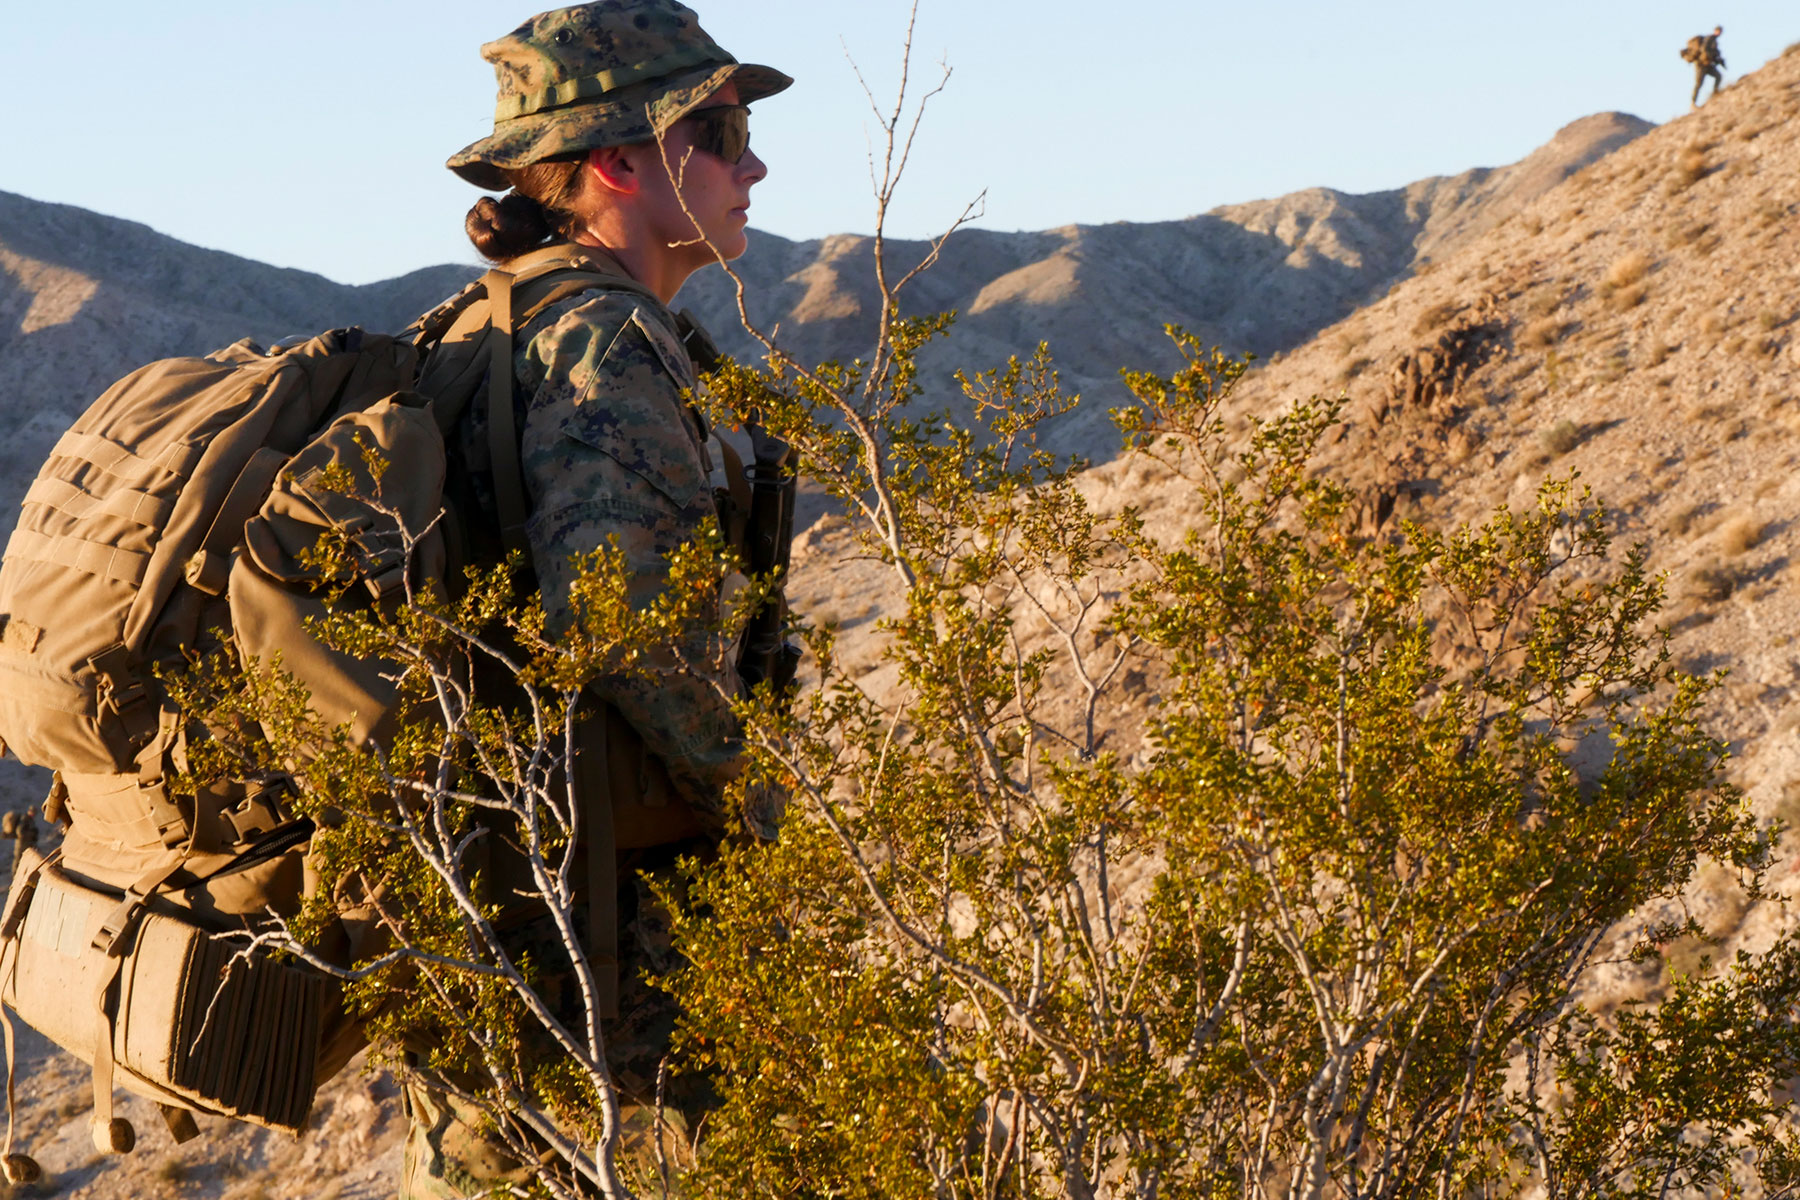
x=178, y=505
x=1695, y=50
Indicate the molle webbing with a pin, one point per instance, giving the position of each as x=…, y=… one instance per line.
x=148, y=491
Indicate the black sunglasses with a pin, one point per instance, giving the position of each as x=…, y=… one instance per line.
x=722, y=131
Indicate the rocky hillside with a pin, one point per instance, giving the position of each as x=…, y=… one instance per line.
x=1261, y=276
x=1638, y=325
x=82, y=298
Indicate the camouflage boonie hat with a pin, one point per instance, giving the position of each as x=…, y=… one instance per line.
x=603, y=74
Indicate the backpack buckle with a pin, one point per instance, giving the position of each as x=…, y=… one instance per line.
x=110, y=939
x=254, y=815
x=119, y=686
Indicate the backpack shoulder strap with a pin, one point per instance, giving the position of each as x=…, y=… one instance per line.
x=513, y=299
x=503, y=439
x=472, y=334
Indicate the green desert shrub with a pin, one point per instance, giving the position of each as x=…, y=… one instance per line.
x=1316, y=927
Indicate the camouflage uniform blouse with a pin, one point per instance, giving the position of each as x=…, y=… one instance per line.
x=609, y=448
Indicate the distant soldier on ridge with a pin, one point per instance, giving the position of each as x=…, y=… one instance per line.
x=1703, y=51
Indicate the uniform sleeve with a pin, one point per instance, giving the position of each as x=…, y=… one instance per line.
x=609, y=449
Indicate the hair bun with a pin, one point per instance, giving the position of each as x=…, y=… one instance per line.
x=507, y=226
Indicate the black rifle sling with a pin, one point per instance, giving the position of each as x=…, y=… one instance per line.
x=593, y=783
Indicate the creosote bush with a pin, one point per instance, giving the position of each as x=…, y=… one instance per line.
x=1320, y=928
x=436, y=844
x=1320, y=933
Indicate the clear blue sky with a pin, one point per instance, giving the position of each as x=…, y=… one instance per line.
x=311, y=133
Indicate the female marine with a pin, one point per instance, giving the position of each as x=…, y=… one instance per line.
x=621, y=144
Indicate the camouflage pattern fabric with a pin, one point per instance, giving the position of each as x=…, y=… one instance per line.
x=605, y=74
x=611, y=449
x=452, y=1151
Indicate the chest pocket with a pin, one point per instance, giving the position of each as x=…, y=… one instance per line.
x=633, y=412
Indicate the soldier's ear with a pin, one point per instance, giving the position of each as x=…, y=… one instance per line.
x=615, y=169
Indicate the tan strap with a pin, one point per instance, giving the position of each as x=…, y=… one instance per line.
x=545, y=259
x=550, y=279
x=586, y=267
x=557, y=272
x=78, y=554
x=9, y=964
x=18, y=903
x=594, y=784
x=102, y=1119
x=140, y=508
x=113, y=939
x=154, y=762
x=429, y=326
x=503, y=441
x=535, y=292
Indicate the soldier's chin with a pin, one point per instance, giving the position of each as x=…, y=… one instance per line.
x=731, y=243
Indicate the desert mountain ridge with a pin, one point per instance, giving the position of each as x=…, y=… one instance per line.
x=1481, y=327
x=84, y=298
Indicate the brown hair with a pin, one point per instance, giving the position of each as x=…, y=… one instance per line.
x=540, y=205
